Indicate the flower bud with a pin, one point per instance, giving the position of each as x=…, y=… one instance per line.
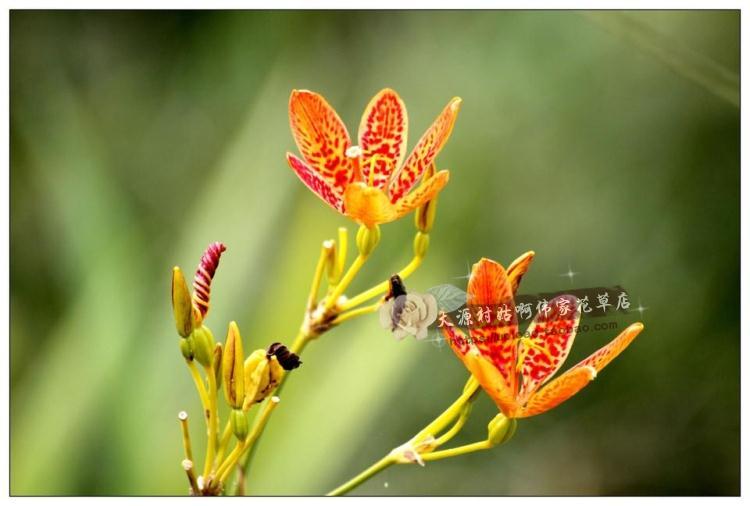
x=216, y=364
x=186, y=348
x=232, y=368
x=239, y=422
x=182, y=306
x=367, y=239
x=424, y=217
x=421, y=243
x=256, y=377
x=500, y=429
x=203, y=345
x=263, y=372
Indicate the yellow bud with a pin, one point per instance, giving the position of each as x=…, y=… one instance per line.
x=501, y=429
x=216, y=364
x=240, y=425
x=256, y=377
x=421, y=243
x=262, y=376
x=367, y=239
x=232, y=368
x=182, y=305
x=203, y=345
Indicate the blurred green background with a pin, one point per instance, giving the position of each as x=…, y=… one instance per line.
x=607, y=142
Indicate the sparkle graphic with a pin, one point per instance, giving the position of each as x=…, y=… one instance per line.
x=570, y=274
x=468, y=272
x=640, y=308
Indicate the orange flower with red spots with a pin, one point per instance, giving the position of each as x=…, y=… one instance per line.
x=515, y=370
x=370, y=182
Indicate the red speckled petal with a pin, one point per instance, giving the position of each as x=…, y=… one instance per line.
x=568, y=384
x=551, y=336
x=320, y=136
x=558, y=391
x=330, y=194
x=423, y=194
x=425, y=151
x=518, y=268
x=604, y=355
x=496, y=339
x=483, y=370
x=382, y=136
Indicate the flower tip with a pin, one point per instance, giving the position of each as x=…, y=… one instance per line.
x=182, y=416
x=456, y=103
x=187, y=465
x=275, y=399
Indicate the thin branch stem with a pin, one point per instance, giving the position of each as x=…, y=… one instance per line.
x=249, y=441
x=455, y=410
x=213, y=422
x=382, y=287
x=357, y=312
x=199, y=385
x=318, y=275
x=459, y=450
x=226, y=436
x=183, y=417
x=345, y=281
x=365, y=475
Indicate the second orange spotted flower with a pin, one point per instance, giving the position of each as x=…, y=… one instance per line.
x=369, y=182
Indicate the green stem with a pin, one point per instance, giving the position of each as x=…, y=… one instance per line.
x=365, y=475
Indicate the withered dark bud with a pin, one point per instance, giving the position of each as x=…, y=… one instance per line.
x=286, y=358
x=395, y=287
x=397, y=292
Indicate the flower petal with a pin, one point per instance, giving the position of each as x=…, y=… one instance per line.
x=558, y=391
x=320, y=186
x=518, y=268
x=320, y=136
x=367, y=205
x=425, y=151
x=423, y=194
x=495, y=340
x=382, y=136
x=568, y=384
x=550, y=337
x=483, y=370
x=604, y=355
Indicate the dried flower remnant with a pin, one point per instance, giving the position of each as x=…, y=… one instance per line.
x=204, y=275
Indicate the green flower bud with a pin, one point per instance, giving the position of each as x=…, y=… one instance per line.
x=186, y=348
x=367, y=239
x=203, y=345
x=232, y=368
x=421, y=243
x=501, y=429
x=240, y=424
x=182, y=305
